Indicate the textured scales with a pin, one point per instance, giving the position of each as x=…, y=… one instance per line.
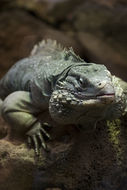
x=56, y=79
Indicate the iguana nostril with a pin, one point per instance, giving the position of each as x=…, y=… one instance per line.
x=101, y=84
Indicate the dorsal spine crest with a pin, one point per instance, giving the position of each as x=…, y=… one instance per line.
x=70, y=55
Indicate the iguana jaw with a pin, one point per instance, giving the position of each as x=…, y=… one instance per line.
x=65, y=108
x=71, y=98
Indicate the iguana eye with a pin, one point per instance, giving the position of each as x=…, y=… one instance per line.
x=81, y=81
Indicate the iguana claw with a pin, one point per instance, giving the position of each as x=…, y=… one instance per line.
x=35, y=138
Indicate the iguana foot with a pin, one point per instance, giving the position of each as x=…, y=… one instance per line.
x=35, y=137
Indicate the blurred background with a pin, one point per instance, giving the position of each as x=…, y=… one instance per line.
x=96, y=29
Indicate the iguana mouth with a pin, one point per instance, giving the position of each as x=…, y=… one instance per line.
x=112, y=95
x=107, y=98
x=99, y=96
x=77, y=98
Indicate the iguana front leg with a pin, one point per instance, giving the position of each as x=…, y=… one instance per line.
x=21, y=114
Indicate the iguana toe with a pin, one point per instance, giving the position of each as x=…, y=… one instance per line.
x=35, y=138
x=43, y=144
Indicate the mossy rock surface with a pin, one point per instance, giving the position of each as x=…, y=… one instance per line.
x=76, y=160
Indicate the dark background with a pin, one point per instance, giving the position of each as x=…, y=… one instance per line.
x=96, y=29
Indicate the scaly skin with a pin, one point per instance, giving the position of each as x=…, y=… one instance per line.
x=55, y=79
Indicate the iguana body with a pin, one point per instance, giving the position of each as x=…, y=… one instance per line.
x=74, y=92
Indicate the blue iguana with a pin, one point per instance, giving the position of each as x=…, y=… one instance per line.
x=56, y=79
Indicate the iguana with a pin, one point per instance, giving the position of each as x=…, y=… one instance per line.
x=56, y=79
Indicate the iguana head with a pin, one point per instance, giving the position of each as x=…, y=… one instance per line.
x=82, y=94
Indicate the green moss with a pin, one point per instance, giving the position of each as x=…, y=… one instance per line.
x=114, y=128
x=114, y=131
